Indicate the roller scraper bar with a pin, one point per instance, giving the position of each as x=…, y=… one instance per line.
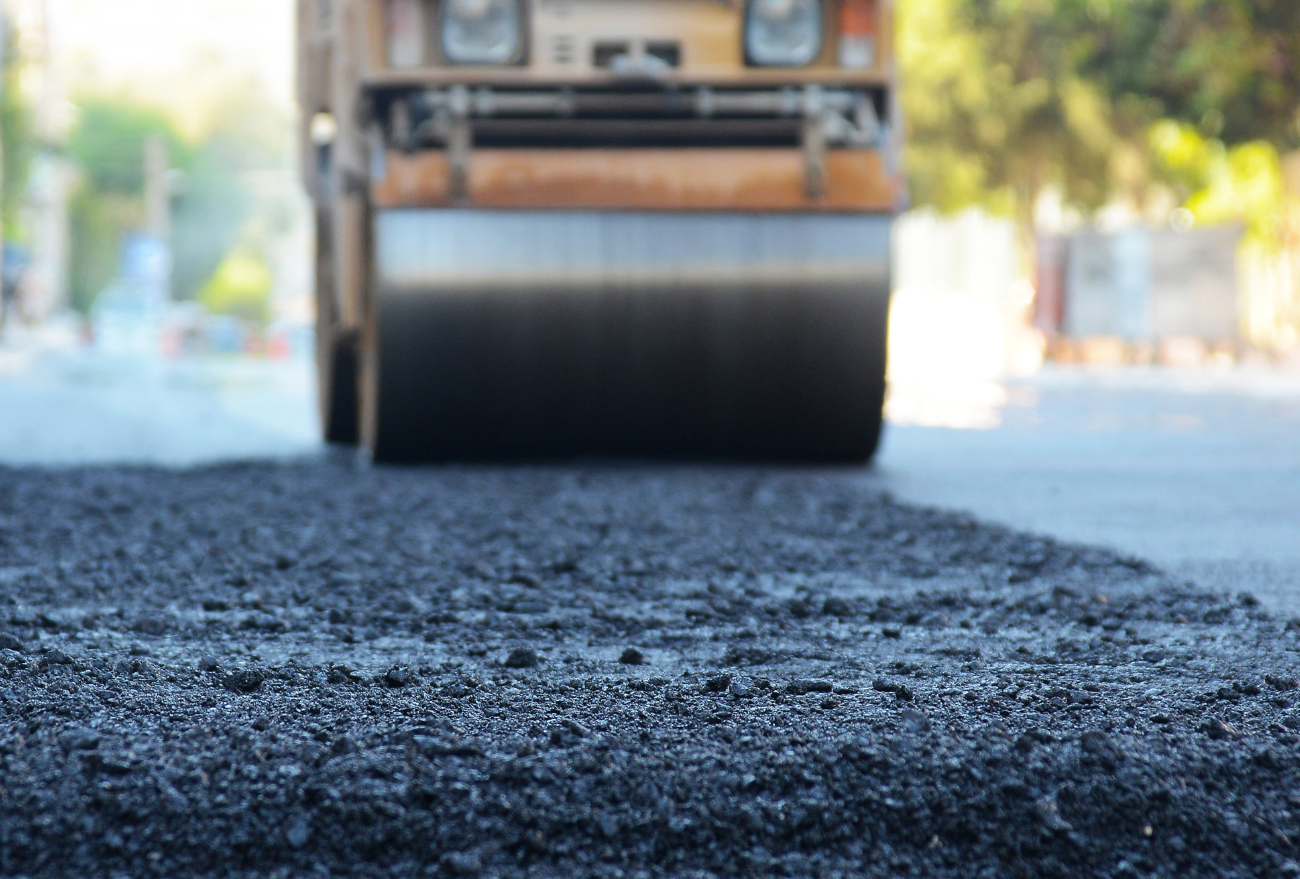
x=845, y=117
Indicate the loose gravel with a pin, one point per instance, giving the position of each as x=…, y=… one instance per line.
x=320, y=669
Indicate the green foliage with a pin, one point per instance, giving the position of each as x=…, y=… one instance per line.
x=108, y=146
x=242, y=132
x=109, y=140
x=1221, y=184
x=207, y=217
x=1230, y=67
x=953, y=126
x=209, y=207
x=1100, y=99
x=241, y=287
x=96, y=224
x=996, y=105
x=16, y=140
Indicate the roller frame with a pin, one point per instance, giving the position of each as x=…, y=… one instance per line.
x=686, y=360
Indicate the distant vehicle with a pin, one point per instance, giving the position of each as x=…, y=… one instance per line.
x=224, y=334
x=626, y=227
x=289, y=340
x=183, y=332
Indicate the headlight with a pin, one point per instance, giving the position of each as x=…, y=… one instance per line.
x=481, y=31
x=783, y=33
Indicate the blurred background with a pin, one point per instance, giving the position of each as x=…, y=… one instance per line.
x=157, y=245
x=1097, y=184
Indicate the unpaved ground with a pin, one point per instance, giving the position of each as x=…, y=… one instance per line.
x=322, y=670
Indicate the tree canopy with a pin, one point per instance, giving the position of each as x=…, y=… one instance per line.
x=1005, y=98
x=211, y=202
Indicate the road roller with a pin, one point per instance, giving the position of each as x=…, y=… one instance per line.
x=550, y=229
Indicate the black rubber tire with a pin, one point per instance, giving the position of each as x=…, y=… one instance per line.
x=337, y=353
x=793, y=375
x=336, y=363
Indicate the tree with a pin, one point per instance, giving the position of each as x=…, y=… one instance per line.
x=108, y=145
x=1007, y=97
x=241, y=287
x=209, y=208
x=1230, y=67
x=16, y=132
x=997, y=106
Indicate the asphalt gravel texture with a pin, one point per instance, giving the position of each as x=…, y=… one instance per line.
x=321, y=669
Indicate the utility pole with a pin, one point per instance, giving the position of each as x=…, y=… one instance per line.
x=47, y=292
x=157, y=194
x=157, y=200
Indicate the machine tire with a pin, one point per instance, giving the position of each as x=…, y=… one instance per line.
x=336, y=361
x=336, y=365
x=337, y=349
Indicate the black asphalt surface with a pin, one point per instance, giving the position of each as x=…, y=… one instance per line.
x=323, y=669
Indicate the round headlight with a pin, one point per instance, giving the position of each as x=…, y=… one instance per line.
x=783, y=33
x=481, y=31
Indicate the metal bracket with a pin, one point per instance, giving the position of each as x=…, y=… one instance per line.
x=814, y=142
x=400, y=130
x=814, y=156
x=460, y=143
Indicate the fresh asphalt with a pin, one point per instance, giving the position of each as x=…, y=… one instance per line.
x=314, y=667
x=1195, y=470
x=320, y=669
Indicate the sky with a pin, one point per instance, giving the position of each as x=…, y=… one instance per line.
x=151, y=46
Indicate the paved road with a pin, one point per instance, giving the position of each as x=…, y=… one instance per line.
x=319, y=669
x=1196, y=471
x=316, y=668
x=70, y=406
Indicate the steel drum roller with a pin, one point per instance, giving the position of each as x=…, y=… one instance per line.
x=527, y=334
